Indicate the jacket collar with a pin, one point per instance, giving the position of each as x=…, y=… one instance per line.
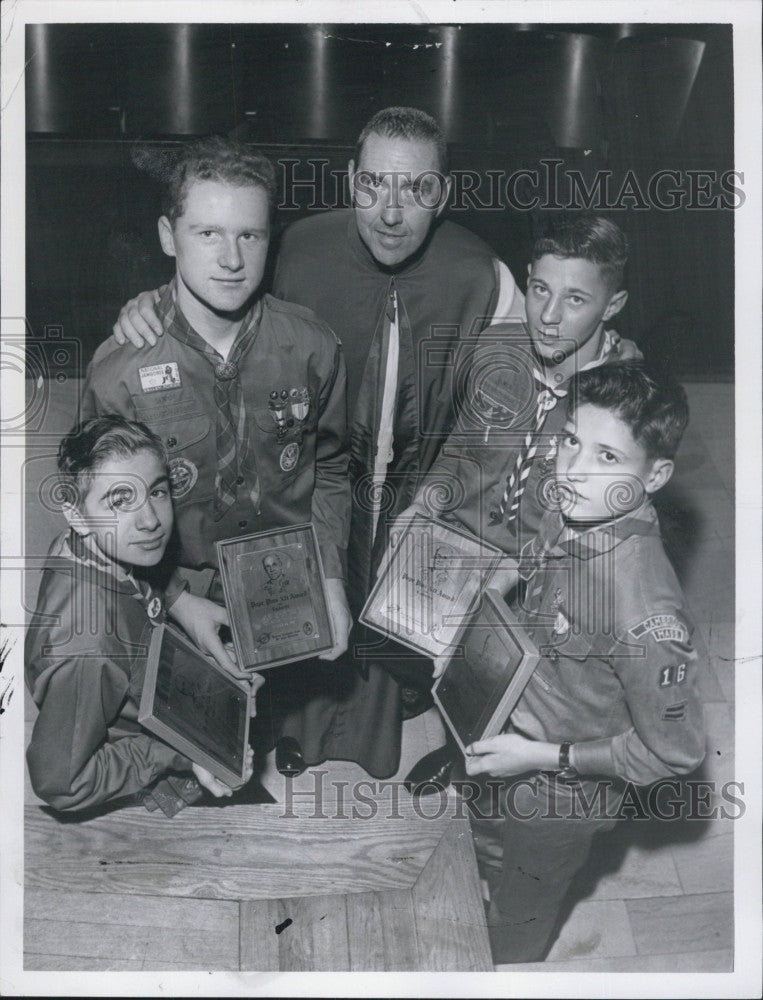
x=607, y=536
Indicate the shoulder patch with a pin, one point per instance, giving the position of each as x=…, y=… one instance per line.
x=662, y=628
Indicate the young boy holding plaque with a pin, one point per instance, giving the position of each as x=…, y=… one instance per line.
x=97, y=606
x=614, y=700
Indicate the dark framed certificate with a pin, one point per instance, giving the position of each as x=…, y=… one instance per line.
x=491, y=663
x=196, y=706
x=275, y=591
x=424, y=594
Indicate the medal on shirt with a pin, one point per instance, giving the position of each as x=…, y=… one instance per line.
x=289, y=408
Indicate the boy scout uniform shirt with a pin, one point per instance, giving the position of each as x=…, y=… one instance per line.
x=619, y=674
x=497, y=412
x=301, y=466
x=85, y=655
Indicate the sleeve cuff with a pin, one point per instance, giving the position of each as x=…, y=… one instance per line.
x=176, y=586
x=594, y=757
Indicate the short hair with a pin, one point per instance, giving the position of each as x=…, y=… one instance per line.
x=649, y=400
x=92, y=442
x=406, y=123
x=592, y=237
x=215, y=158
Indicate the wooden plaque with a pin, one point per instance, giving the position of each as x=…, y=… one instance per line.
x=487, y=672
x=429, y=585
x=275, y=591
x=196, y=706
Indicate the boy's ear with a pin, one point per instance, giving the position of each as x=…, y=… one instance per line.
x=75, y=519
x=166, y=238
x=661, y=471
x=614, y=305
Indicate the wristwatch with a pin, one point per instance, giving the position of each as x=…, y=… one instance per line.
x=566, y=771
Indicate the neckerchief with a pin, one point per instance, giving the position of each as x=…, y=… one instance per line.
x=236, y=461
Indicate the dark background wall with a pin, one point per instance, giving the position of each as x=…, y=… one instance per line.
x=613, y=102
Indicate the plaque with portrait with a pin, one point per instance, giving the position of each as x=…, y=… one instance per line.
x=491, y=662
x=196, y=706
x=275, y=591
x=428, y=584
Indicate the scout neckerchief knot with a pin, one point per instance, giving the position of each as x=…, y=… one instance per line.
x=235, y=456
x=548, y=396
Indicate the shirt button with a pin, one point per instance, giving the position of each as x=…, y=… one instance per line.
x=172, y=442
x=240, y=480
x=242, y=524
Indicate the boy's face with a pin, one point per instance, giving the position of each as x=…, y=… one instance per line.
x=568, y=301
x=602, y=471
x=220, y=243
x=127, y=510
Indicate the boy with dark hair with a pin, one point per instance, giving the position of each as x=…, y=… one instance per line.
x=492, y=473
x=614, y=701
x=87, y=643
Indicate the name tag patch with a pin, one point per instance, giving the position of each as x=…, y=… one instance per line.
x=662, y=628
x=154, y=378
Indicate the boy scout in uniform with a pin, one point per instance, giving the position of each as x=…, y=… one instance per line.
x=614, y=701
x=246, y=391
x=86, y=645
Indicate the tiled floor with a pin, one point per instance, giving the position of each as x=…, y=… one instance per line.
x=655, y=897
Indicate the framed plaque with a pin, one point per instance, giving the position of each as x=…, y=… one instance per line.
x=275, y=591
x=196, y=706
x=491, y=663
x=429, y=585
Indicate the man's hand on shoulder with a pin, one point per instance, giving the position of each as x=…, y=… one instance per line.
x=137, y=321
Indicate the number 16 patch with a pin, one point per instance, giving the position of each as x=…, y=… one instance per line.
x=675, y=673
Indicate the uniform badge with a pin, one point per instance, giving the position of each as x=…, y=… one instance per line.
x=289, y=456
x=546, y=399
x=155, y=378
x=662, y=628
x=561, y=624
x=154, y=607
x=183, y=476
x=299, y=403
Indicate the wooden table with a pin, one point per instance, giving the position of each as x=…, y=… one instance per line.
x=255, y=887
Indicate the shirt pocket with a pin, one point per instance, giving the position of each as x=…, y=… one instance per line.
x=190, y=440
x=565, y=662
x=280, y=459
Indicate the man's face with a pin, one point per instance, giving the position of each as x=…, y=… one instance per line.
x=127, y=510
x=398, y=192
x=272, y=566
x=220, y=243
x=568, y=301
x=601, y=470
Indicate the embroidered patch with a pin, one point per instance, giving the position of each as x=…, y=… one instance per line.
x=154, y=607
x=289, y=456
x=153, y=378
x=674, y=673
x=663, y=628
x=675, y=713
x=183, y=476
